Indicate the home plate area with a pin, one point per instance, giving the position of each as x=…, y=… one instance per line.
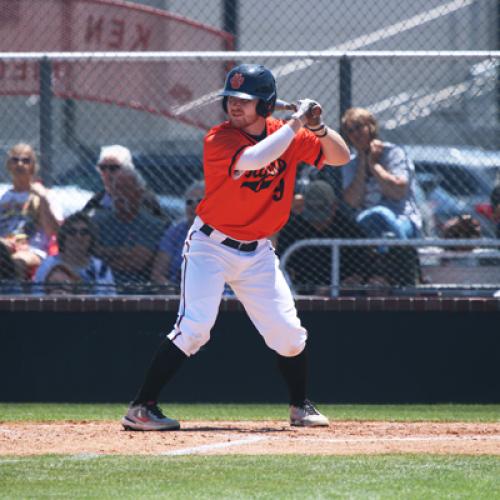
x=89, y=439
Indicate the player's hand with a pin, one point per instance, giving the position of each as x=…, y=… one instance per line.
x=314, y=119
x=304, y=110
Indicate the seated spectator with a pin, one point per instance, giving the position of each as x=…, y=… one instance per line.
x=378, y=182
x=9, y=281
x=310, y=267
x=61, y=280
x=495, y=206
x=28, y=219
x=111, y=160
x=379, y=186
x=167, y=266
x=76, y=241
x=128, y=235
x=462, y=226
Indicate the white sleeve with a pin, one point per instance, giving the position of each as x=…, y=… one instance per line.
x=264, y=152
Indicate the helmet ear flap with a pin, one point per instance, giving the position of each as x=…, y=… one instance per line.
x=265, y=108
x=262, y=108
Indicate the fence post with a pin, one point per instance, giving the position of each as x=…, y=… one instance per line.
x=231, y=19
x=335, y=281
x=345, y=85
x=46, y=120
x=498, y=67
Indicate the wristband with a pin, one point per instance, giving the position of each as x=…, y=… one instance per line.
x=322, y=135
x=317, y=129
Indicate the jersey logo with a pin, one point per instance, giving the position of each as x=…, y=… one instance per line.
x=262, y=179
x=237, y=80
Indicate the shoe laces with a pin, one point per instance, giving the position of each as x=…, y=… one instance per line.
x=309, y=408
x=155, y=410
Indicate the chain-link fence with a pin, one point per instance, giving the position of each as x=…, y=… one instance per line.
x=441, y=108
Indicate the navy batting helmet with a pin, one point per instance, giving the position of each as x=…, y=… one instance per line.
x=251, y=81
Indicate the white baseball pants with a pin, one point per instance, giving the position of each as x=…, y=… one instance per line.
x=255, y=278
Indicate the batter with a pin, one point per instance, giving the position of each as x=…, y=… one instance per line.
x=249, y=163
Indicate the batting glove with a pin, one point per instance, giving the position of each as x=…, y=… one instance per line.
x=304, y=107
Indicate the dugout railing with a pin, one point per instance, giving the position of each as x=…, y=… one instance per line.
x=469, y=255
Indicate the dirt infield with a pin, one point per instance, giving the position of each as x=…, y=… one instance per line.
x=89, y=438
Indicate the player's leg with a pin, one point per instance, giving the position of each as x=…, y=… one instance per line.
x=267, y=298
x=201, y=291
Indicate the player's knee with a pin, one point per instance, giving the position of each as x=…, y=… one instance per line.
x=190, y=341
x=291, y=345
x=292, y=350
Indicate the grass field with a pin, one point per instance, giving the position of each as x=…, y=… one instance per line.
x=436, y=413
x=247, y=476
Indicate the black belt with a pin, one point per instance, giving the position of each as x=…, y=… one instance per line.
x=229, y=242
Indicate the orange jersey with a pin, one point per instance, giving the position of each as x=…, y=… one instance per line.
x=257, y=204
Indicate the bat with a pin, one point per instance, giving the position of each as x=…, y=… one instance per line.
x=282, y=105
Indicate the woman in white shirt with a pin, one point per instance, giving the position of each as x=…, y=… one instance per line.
x=28, y=220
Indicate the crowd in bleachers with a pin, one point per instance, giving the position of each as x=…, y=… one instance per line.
x=122, y=242
x=119, y=242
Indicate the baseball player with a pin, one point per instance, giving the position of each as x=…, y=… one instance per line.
x=250, y=163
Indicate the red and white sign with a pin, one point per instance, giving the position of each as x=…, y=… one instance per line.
x=112, y=25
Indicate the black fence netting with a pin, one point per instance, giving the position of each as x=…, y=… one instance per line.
x=91, y=88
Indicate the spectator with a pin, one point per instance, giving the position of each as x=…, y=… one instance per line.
x=9, y=283
x=495, y=206
x=61, y=280
x=167, y=265
x=111, y=160
x=76, y=240
x=128, y=235
x=28, y=219
x=378, y=181
x=379, y=187
x=310, y=267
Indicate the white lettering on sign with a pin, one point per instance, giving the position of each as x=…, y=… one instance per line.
x=116, y=33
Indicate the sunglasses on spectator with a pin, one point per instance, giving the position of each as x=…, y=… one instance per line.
x=110, y=167
x=84, y=231
x=190, y=201
x=355, y=127
x=25, y=160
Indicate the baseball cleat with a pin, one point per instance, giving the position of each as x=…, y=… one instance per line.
x=148, y=417
x=307, y=416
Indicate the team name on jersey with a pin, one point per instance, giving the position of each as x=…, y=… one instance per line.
x=262, y=179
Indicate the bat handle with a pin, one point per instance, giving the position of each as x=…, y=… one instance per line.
x=282, y=105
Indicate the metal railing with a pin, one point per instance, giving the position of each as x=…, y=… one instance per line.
x=336, y=244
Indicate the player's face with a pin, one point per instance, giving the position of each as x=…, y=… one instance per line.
x=243, y=114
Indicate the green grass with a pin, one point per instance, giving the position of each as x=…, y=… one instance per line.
x=238, y=476
x=273, y=477
x=61, y=411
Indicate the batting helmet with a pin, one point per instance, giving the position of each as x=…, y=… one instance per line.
x=251, y=81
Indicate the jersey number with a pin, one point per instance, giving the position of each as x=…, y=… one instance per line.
x=279, y=190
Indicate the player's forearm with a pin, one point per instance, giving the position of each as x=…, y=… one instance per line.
x=264, y=152
x=334, y=148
